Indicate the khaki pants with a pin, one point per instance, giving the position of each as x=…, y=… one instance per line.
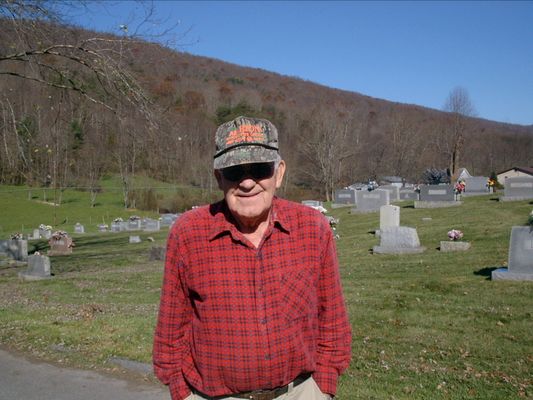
x=307, y=390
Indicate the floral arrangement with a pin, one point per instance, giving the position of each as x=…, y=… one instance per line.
x=118, y=219
x=530, y=219
x=58, y=235
x=45, y=227
x=16, y=236
x=460, y=187
x=134, y=218
x=455, y=234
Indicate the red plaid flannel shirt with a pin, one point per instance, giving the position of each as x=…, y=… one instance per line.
x=235, y=318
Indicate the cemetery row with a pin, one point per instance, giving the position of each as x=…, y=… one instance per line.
x=429, y=196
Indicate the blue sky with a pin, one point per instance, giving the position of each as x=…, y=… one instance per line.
x=408, y=52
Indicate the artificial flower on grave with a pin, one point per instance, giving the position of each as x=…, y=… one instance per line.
x=58, y=235
x=134, y=218
x=118, y=219
x=455, y=235
x=16, y=236
x=530, y=219
x=45, y=227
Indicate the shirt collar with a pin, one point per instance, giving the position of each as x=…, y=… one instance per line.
x=225, y=223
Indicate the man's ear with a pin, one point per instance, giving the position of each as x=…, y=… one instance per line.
x=280, y=172
x=218, y=177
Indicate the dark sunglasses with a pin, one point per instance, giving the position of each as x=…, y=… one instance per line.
x=256, y=171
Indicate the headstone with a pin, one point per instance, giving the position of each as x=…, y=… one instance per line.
x=38, y=268
x=135, y=239
x=394, y=192
x=134, y=225
x=436, y=196
x=389, y=216
x=151, y=225
x=398, y=240
x=102, y=228
x=60, y=245
x=312, y=203
x=36, y=235
x=116, y=226
x=371, y=201
x=79, y=228
x=451, y=245
x=344, y=196
x=168, y=219
x=476, y=185
x=518, y=188
x=408, y=195
x=157, y=253
x=16, y=249
x=437, y=193
x=520, y=264
x=45, y=233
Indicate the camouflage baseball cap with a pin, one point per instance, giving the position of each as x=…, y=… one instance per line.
x=245, y=140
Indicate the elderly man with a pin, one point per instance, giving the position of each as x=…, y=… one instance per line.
x=251, y=305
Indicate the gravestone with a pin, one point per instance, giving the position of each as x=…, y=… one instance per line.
x=408, y=195
x=398, y=240
x=151, y=225
x=436, y=196
x=60, y=246
x=371, y=201
x=45, y=233
x=133, y=225
x=168, y=219
x=394, y=192
x=102, y=228
x=389, y=216
x=119, y=226
x=16, y=249
x=79, y=228
x=135, y=239
x=518, y=188
x=437, y=193
x=157, y=253
x=312, y=203
x=36, y=235
x=344, y=196
x=38, y=268
x=520, y=264
x=451, y=245
x=476, y=185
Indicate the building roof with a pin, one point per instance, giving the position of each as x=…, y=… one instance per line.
x=526, y=170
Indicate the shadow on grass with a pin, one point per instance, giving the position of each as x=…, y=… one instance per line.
x=409, y=206
x=486, y=272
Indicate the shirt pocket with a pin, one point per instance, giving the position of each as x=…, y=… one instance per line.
x=298, y=294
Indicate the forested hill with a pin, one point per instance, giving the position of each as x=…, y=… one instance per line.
x=77, y=104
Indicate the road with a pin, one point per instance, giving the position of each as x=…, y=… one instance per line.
x=23, y=378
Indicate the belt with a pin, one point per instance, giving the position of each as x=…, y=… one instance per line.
x=272, y=393
x=262, y=394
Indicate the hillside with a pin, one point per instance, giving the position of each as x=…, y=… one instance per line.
x=79, y=104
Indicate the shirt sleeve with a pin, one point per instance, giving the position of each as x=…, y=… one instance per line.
x=172, y=331
x=335, y=337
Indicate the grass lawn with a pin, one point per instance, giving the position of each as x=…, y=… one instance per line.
x=425, y=326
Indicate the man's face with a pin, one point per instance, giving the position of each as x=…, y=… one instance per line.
x=249, y=190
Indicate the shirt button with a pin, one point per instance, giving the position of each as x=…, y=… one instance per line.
x=264, y=321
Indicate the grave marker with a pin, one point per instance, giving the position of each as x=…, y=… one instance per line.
x=371, y=201
x=344, y=196
x=518, y=188
x=79, y=228
x=520, y=264
x=398, y=240
x=38, y=268
x=389, y=216
x=16, y=249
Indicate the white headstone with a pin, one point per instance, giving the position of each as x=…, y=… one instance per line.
x=389, y=215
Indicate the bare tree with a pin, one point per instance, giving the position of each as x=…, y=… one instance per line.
x=460, y=107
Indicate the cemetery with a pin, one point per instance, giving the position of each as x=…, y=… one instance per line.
x=418, y=311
